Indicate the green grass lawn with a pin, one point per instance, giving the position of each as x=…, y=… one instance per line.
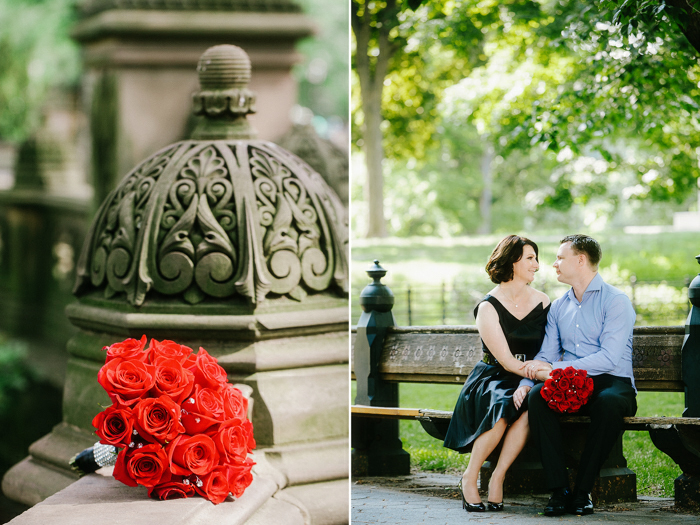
x=655, y=471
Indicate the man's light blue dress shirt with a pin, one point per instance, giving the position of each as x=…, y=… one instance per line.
x=594, y=334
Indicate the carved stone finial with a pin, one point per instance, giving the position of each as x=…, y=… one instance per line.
x=224, y=98
x=219, y=218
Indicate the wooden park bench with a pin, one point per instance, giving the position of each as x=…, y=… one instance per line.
x=666, y=359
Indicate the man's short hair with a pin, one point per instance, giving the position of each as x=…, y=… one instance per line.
x=585, y=244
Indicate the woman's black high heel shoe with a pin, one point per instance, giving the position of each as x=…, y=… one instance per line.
x=470, y=507
x=494, y=507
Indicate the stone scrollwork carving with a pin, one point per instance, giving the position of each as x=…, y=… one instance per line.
x=113, y=237
x=220, y=219
x=217, y=217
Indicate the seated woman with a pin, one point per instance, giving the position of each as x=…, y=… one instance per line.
x=511, y=320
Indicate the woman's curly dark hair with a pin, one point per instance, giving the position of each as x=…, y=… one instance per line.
x=505, y=255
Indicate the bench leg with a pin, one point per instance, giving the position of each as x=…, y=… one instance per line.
x=377, y=448
x=682, y=445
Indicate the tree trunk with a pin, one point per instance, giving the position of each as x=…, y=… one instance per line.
x=374, y=155
x=487, y=191
x=371, y=74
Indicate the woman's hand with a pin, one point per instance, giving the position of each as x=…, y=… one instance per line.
x=531, y=369
x=519, y=395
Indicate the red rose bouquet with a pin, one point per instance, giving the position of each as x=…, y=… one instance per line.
x=181, y=428
x=567, y=390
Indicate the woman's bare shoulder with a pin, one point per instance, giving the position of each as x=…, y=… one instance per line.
x=543, y=297
x=485, y=308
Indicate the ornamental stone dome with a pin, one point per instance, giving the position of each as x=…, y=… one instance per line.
x=218, y=218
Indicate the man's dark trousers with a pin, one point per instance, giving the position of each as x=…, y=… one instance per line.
x=613, y=398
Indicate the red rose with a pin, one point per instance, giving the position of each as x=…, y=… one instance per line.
x=127, y=349
x=589, y=384
x=578, y=382
x=158, y=419
x=171, y=490
x=126, y=381
x=583, y=373
x=203, y=411
x=172, y=379
x=546, y=393
x=114, y=426
x=557, y=374
x=239, y=477
x=215, y=485
x=569, y=372
x=557, y=396
x=235, y=405
x=146, y=466
x=575, y=405
x=234, y=440
x=192, y=455
x=168, y=350
x=564, y=384
x=563, y=406
x=208, y=372
x=586, y=393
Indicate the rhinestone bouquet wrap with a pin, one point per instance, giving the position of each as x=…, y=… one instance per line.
x=567, y=390
x=180, y=428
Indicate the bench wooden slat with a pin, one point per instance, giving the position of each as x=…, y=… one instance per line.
x=386, y=412
x=630, y=423
x=441, y=354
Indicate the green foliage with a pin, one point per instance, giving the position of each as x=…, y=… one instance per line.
x=14, y=374
x=627, y=99
x=36, y=54
x=323, y=75
x=29, y=406
x=440, y=44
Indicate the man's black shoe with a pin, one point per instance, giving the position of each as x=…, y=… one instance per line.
x=581, y=504
x=557, y=504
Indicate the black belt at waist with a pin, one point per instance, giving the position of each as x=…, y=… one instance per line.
x=490, y=360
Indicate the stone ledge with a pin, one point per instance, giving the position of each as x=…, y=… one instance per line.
x=31, y=481
x=101, y=496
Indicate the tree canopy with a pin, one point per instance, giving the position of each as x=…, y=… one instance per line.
x=583, y=105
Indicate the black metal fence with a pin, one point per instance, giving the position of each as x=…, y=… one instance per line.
x=655, y=302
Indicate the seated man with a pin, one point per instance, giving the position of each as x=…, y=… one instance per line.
x=589, y=328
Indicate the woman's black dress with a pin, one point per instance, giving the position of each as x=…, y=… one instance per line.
x=487, y=395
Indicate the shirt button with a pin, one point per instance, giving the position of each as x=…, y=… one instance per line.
x=579, y=306
x=576, y=346
x=576, y=326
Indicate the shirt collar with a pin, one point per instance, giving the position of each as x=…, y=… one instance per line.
x=596, y=284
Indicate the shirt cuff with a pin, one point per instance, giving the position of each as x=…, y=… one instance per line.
x=527, y=382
